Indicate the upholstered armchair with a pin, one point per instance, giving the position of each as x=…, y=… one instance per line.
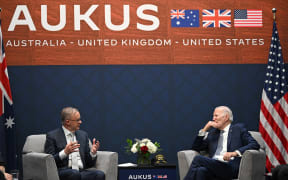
x=252, y=165
x=40, y=166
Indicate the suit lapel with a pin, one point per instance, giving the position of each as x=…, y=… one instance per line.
x=61, y=143
x=62, y=138
x=81, y=150
x=229, y=138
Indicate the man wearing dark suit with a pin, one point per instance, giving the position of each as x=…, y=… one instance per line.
x=3, y=174
x=225, y=144
x=70, y=148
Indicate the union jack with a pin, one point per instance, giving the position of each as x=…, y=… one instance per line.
x=178, y=13
x=216, y=18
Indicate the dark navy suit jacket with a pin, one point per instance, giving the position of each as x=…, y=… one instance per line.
x=2, y=162
x=238, y=139
x=56, y=142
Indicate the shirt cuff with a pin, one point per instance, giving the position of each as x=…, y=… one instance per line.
x=93, y=155
x=62, y=154
x=2, y=169
x=239, y=153
x=202, y=133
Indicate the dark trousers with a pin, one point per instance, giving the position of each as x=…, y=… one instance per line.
x=72, y=174
x=205, y=168
x=280, y=172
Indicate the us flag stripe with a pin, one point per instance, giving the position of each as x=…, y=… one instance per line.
x=271, y=149
x=272, y=145
x=277, y=131
x=275, y=122
x=281, y=112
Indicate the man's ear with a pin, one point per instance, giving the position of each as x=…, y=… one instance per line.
x=227, y=116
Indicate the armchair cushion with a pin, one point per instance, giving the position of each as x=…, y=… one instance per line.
x=35, y=143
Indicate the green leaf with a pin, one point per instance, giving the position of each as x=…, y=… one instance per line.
x=157, y=144
x=129, y=145
x=129, y=142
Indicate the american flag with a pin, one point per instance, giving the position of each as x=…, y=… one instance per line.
x=184, y=18
x=247, y=18
x=273, y=124
x=7, y=123
x=216, y=18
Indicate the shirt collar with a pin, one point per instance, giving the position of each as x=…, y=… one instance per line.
x=226, y=129
x=66, y=131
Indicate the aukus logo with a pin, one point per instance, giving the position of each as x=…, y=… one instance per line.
x=85, y=17
x=139, y=177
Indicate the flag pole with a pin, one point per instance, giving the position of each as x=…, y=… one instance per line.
x=274, y=13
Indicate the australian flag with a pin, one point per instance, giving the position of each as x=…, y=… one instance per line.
x=184, y=18
x=7, y=121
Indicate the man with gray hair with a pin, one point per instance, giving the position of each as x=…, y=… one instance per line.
x=70, y=148
x=225, y=144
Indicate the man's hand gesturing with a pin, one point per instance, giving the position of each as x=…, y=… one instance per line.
x=95, y=146
x=71, y=147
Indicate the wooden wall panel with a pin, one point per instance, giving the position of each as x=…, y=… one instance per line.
x=176, y=53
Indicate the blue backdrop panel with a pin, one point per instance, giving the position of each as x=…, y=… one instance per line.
x=166, y=103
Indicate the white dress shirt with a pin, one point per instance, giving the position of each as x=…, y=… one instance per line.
x=222, y=143
x=63, y=155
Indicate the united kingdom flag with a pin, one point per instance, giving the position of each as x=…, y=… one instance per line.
x=216, y=18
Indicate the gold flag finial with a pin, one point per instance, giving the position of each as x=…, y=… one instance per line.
x=274, y=13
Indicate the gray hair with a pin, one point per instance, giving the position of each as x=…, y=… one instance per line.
x=67, y=112
x=227, y=110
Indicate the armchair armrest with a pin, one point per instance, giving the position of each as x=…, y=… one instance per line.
x=39, y=166
x=252, y=165
x=185, y=159
x=108, y=163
